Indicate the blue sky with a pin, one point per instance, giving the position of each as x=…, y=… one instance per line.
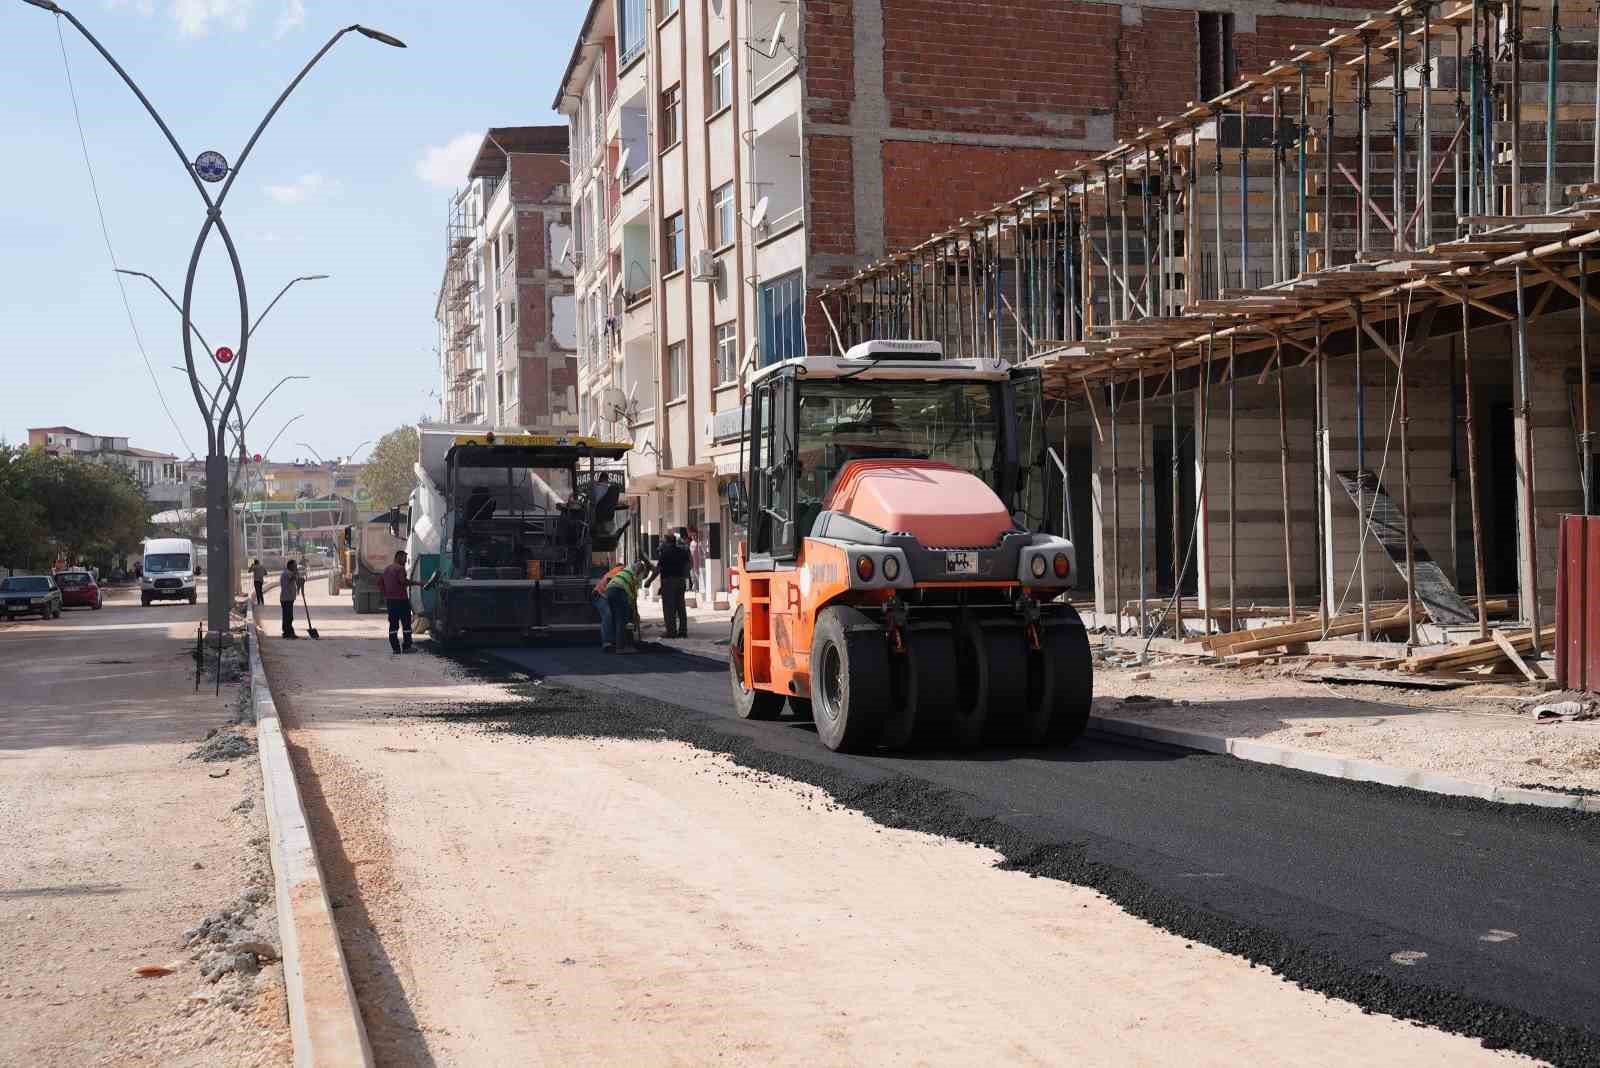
x=351, y=180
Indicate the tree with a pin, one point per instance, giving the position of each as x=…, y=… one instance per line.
x=388, y=476
x=24, y=540
x=53, y=506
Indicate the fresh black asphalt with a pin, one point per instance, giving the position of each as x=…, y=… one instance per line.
x=1328, y=883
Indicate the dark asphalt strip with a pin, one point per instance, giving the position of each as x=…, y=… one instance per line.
x=1218, y=872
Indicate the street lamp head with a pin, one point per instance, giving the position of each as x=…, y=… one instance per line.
x=46, y=4
x=313, y=277
x=365, y=31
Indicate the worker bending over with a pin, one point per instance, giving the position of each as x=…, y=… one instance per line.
x=616, y=598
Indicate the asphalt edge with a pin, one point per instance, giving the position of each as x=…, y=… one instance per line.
x=1338, y=767
x=324, y=1022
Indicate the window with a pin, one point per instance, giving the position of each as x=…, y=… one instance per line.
x=677, y=373
x=672, y=244
x=500, y=389
x=496, y=258
x=722, y=231
x=1216, y=62
x=719, y=88
x=630, y=31
x=781, y=308
x=499, y=320
x=511, y=246
x=727, y=369
x=671, y=117
x=511, y=315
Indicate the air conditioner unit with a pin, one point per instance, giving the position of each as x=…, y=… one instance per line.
x=705, y=266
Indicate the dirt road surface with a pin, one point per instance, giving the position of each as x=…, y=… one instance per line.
x=114, y=844
x=508, y=899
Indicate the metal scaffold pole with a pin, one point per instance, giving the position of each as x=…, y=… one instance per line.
x=1283, y=478
x=1530, y=535
x=1116, y=510
x=1364, y=230
x=1472, y=465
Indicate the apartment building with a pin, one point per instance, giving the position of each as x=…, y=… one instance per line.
x=733, y=158
x=505, y=311
x=163, y=477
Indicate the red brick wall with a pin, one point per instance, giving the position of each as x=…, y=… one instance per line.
x=830, y=215
x=531, y=254
x=830, y=59
x=1157, y=68
x=534, y=177
x=1032, y=69
x=928, y=187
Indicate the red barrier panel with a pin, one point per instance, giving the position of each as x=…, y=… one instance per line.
x=1578, y=604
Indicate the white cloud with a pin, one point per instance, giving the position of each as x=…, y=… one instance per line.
x=292, y=17
x=300, y=190
x=446, y=165
x=196, y=18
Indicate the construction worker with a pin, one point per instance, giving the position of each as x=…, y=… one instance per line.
x=395, y=586
x=289, y=584
x=673, y=563
x=258, y=572
x=621, y=596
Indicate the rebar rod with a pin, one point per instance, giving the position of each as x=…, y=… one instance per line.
x=1461, y=202
x=1472, y=466
x=1303, y=131
x=1552, y=61
x=1177, y=495
x=1425, y=144
x=1361, y=480
x=1169, y=229
x=1364, y=104
x=1143, y=612
x=1244, y=192
x=1397, y=188
x=1216, y=189
x=1016, y=282
x=1283, y=478
x=1319, y=468
x=1122, y=230
x=1327, y=174
x=1405, y=489
x=1514, y=37
x=1111, y=288
x=1583, y=382
x=1233, y=487
x=1116, y=510
x=1277, y=184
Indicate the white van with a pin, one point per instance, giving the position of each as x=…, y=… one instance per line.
x=168, y=571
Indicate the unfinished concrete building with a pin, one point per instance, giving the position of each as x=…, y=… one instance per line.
x=1310, y=344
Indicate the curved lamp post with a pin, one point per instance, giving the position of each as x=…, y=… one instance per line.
x=205, y=169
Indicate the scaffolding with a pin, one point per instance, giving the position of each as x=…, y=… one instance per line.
x=460, y=318
x=1285, y=227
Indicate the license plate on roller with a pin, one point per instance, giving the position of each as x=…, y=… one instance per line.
x=961, y=563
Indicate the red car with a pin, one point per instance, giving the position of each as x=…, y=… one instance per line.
x=78, y=589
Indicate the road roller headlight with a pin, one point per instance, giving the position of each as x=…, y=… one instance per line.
x=891, y=568
x=865, y=568
x=1062, y=564
x=1037, y=565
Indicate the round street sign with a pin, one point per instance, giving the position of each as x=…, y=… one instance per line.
x=211, y=166
x=224, y=354
x=258, y=457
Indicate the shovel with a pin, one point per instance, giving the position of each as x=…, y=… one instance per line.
x=310, y=630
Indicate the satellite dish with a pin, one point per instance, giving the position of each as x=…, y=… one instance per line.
x=613, y=400
x=777, y=35
x=622, y=161
x=758, y=217
x=566, y=251
x=750, y=353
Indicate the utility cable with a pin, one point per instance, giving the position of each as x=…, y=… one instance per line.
x=105, y=233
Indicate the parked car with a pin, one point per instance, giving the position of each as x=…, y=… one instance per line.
x=30, y=595
x=78, y=588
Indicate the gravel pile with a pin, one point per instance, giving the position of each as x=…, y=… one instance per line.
x=231, y=941
x=224, y=744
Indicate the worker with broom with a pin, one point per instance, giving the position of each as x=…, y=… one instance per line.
x=397, y=598
x=289, y=584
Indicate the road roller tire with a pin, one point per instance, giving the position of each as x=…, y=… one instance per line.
x=748, y=703
x=994, y=669
x=849, y=679
x=1068, y=678
x=927, y=688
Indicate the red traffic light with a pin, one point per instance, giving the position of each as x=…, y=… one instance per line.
x=224, y=354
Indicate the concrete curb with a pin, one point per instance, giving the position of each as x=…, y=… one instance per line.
x=324, y=1022
x=1338, y=767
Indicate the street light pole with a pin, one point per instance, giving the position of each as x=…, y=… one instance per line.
x=206, y=168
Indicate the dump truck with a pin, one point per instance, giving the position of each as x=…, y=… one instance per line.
x=888, y=584
x=365, y=548
x=510, y=530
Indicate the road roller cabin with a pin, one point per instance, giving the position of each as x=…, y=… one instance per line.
x=888, y=581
